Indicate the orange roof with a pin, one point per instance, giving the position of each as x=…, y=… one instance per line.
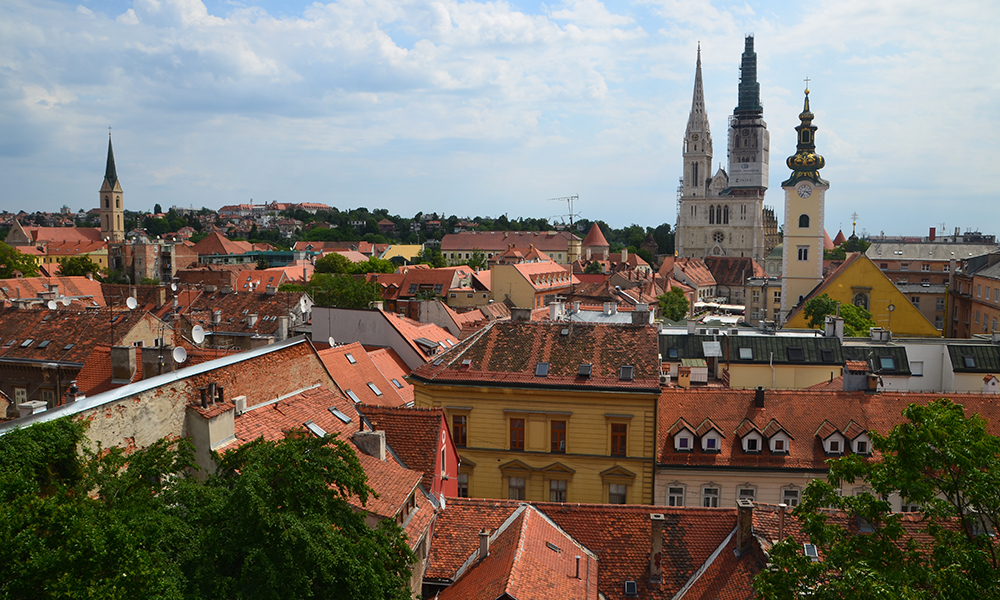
x=696, y=271
x=595, y=238
x=827, y=242
x=61, y=335
x=529, y=557
x=86, y=290
x=48, y=235
x=840, y=239
x=216, y=243
x=498, y=241
x=394, y=369
x=428, y=332
x=800, y=413
x=251, y=280
x=545, y=275
x=95, y=376
x=355, y=373
x=733, y=270
x=507, y=353
x=74, y=248
x=413, y=433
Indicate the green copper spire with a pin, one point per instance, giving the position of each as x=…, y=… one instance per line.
x=749, y=88
x=805, y=163
x=110, y=175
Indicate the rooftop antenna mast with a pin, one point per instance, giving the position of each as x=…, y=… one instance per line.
x=569, y=202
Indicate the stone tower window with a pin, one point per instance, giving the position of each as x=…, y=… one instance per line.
x=804, y=221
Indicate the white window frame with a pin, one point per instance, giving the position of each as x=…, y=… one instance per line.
x=863, y=438
x=684, y=435
x=711, y=495
x=786, y=497
x=675, y=494
x=20, y=395
x=753, y=435
x=745, y=487
x=779, y=437
x=711, y=436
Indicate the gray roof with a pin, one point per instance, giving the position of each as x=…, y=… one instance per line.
x=925, y=250
x=921, y=288
x=757, y=349
x=990, y=272
x=981, y=358
x=873, y=355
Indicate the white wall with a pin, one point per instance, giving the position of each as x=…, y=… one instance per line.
x=370, y=327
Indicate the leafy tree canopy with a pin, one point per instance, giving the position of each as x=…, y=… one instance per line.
x=857, y=321
x=337, y=289
x=594, y=268
x=945, y=463
x=76, y=266
x=273, y=522
x=12, y=259
x=673, y=304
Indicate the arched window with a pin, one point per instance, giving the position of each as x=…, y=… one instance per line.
x=804, y=221
x=718, y=214
x=107, y=202
x=711, y=215
x=861, y=300
x=725, y=214
x=118, y=201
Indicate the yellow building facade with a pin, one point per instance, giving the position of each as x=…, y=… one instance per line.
x=529, y=426
x=859, y=281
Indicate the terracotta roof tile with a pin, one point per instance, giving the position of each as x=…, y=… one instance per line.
x=595, y=238
x=826, y=429
x=87, y=292
x=456, y=533
x=360, y=375
x=394, y=369
x=508, y=353
x=801, y=414
x=498, y=241
x=706, y=426
x=412, y=331
x=413, y=434
x=61, y=335
x=695, y=270
x=733, y=271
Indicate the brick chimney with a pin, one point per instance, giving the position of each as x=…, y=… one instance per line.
x=484, y=543
x=744, y=525
x=657, y=521
x=758, y=397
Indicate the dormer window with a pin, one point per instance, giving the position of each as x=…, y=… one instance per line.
x=862, y=445
x=672, y=352
x=752, y=443
x=834, y=446
x=779, y=444
x=682, y=441
x=710, y=442
x=887, y=363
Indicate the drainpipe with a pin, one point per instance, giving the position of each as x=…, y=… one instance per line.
x=770, y=363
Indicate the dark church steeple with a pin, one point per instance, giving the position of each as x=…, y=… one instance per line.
x=749, y=96
x=111, y=204
x=110, y=175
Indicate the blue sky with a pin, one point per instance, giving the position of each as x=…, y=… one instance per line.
x=485, y=108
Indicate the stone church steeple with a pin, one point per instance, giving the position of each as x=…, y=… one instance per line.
x=111, y=204
x=697, y=142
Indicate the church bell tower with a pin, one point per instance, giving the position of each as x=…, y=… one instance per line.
x=111, y=205
x=805, y=200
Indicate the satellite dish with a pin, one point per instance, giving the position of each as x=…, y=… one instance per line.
x=330, y=339
x=198, y=334
x=173, y=287
x=52, y=305
x=65, y=301
x=180, y=355
x=131, y=303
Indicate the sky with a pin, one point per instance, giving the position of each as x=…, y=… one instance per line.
x=483, y=108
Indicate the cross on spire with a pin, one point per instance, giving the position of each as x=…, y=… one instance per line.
x=807, y=84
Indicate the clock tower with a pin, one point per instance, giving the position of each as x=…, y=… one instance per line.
x=805, y=198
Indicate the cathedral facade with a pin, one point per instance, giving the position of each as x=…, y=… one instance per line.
x=723, y=213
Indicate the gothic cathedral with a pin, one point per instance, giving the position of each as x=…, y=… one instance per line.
x=724, y=214
x=111, y=207
x=805, y=197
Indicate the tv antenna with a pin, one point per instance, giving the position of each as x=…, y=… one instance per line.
x=569, y=202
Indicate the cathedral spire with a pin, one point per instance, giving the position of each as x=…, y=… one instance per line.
x=110, y=175
x=749, y=88
x=698, y=119
x=805, y=163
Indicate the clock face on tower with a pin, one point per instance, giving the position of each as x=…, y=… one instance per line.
x=804, y=190
x=694, y=137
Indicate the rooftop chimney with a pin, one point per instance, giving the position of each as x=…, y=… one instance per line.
x=781, y=521
x=282, y=327
x=157, y=360
x=758, y=397
x=252, y=320
x=122, y=364
x=640, y=316
x=371, y=443
x=520, y=315
x=73, y=392
x=744, y=525
x=484, y=543
x=216, y=317
x=31, y=407
x=932, y=235
x=656, y=548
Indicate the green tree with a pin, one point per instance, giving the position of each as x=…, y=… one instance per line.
x=262, y=263
x=373, y=265
x=433, y=257
x=273, y=522
x=477, y=260
x=149, y=281
x=12, y=259
x=673, y=304
x=334, y=262
x=336, y=289
x=76, y=266
x=857, y=321
x=942, y=461
x=156, y=209
x=594, y=268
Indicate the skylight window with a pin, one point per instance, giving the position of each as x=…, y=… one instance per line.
x=340, y=415
x=315, y=429
x=413, y=288
x=68, y=347
x=796, y=354
x=350, y=358
x=970, y=362
x=352, y=396
x=584, y=370
x=43, y=344
x=374, y=388
x=826, y=355
x=625, y=373
x=887, y=363
x=542, y=369
x=396, y=383
x=746, y=353
x=672, y=352
x=810, y=551
x=26, y=343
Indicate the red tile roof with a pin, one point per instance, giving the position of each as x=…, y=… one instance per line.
x=618, y=534
x=507, y=353
x=393, y=368
x=412, y=330
x=236, y=309
x=216, y=243
x=87, y=291
x=695, y=270
x=595, y=238
x=250, y=280
x=733, y=271
x=413, y=434
x=62, y=335
x=391, y=482
x=47, y=235
x=95, y=376
x=498, y=241
x=800, y=413
x=522, y=563
x=357, y=375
